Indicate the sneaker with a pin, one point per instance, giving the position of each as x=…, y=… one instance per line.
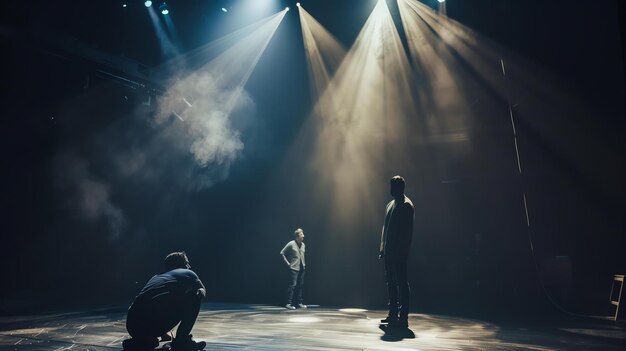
x=289, y=306
x=139, y=345
x=187, y=343
x=301, y=305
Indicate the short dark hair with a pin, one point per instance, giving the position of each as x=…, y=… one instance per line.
x=176, y=260
x=397, y=181
x=298, y=231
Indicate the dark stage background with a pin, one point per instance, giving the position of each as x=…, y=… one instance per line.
x=68, y=134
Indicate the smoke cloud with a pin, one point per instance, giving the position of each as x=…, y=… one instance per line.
x=203, y=122
x=89, y=196
x=151, y=157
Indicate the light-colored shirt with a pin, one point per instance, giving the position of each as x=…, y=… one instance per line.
x=294, y=255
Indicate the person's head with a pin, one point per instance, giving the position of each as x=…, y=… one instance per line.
x=396, y=186
x=176, y=260
x=298, y=235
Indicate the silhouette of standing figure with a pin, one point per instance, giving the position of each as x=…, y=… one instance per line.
x=395, y=245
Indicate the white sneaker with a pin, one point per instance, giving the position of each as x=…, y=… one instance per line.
x=289, y=306
x=301, y=305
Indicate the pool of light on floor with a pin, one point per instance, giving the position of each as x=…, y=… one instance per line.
x=304, y=320
x=352, y=310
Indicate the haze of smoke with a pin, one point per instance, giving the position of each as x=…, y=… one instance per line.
x=203, y=119
x=89, y=196
x=188, y=144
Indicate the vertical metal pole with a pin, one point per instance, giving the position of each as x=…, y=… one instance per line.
x=517, y=153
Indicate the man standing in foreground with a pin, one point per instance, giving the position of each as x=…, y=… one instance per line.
x=168, y=298
x=293, y=255
x=395, y=245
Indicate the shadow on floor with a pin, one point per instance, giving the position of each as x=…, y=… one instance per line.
x=396, y=334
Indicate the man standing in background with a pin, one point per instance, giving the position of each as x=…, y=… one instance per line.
x=293, y=255
x=395, y=245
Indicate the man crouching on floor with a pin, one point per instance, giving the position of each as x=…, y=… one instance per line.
x=168, y=298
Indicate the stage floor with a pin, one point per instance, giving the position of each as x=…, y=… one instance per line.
x=260, y=327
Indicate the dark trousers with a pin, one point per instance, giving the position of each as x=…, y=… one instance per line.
x=397, y=286
x=295, y=287
x=150, y=319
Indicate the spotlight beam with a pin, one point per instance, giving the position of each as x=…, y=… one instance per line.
x=347, y=142
x=168, y=48
x=222, y=79
x=324, y=52
x=236, y=59
x=199, y=57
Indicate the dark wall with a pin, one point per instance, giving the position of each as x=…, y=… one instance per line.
x=471, y=249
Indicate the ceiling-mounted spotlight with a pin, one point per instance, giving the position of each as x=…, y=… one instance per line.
x=164, y=9
x=287, y=8
x=298, y=4
x=148, y=3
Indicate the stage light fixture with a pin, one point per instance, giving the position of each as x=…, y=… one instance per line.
x=164, y=9
x=148, y=3
x=298, y=4
x=287, y=8
x=224, y=9
x=124, y=5
x=441, y=1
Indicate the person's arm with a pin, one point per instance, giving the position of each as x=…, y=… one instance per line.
x=193, y=284
x=201, y=292
x=282, y=253
x=381, y=252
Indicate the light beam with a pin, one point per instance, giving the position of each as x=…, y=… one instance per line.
x=361, y=117
x=206, y=96
x=168, y=48
x=324, y=52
